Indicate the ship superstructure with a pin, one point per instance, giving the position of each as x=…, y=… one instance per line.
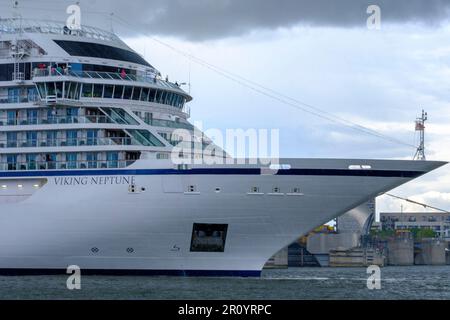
x=81, y=99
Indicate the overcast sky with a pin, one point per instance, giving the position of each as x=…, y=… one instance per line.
x=319, y=52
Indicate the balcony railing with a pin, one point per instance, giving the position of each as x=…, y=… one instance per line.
x=56, y=72
x=64, y=165
x=18, y=99
x=170, y=124
x=57, y=120
x=67, y=142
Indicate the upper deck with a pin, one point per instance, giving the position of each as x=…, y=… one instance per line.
x=15, y=26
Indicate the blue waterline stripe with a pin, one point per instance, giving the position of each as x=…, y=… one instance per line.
x=213, y=171
x=132, y=272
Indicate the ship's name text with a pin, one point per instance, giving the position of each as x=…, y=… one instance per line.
x=98, y=180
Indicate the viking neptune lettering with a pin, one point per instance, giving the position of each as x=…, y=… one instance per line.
x=100, y=180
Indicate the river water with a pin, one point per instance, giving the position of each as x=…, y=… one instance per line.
x=416, y=282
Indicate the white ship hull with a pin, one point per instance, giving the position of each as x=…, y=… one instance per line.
x=91, y=219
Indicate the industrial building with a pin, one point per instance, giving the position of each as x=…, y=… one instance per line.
x=436, y=221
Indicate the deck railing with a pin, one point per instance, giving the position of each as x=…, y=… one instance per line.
x=67, y=142
x=57, y=120
x=59, y=72
x=64, y=165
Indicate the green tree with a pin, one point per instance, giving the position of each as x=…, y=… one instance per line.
x=419, y=233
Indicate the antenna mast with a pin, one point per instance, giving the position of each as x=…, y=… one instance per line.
x=420, y=126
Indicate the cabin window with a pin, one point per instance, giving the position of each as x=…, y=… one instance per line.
x=152, y=95
x=98, y=90
x=136, y=93
x=144, y=95
x=118, y=91
x=71, y=159
x=108, y=91
x=59, y=89
x=92, y=160
x=87, y=90
x=50, y=87
x=73, y=93
x=207, y=237
x=127, y=93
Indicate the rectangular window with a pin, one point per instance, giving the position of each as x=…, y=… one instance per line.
x=98, y=90
x=51, y=138
x=66, y=89
x=6, y=72
x=127, y=93
x=11, y=139
x=168, y=98
x=148, y=117
x=152, y=95
x=13, y=95
x=50, y=87
x=208, y=237
x=11, y=161
x=163, y=97
x=71, y=137
x=71, y=159
x=92, y=160
x=12, y=117
x=32, y=94
x=118, y=91
x=87, y=90
x=32, y=116
x=112, y=158
x=59, y=89
x=41, y=89
x=158, y=96
x=144, y=94
x=92, y=137
x=136, y=93
x=108, y=91
x=73, y=93
x=31, y=139
x=50, y=160
x=72, y=115
x=31, y=161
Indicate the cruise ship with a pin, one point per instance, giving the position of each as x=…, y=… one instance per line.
x=88, y=130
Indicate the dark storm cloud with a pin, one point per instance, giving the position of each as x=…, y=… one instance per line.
x=209, y=19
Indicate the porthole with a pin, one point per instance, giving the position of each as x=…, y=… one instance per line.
x=217, y=190
x=254, y=189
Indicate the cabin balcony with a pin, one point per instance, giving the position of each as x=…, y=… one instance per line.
x=42, y=143
x=64, y=165
x=87, y=119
